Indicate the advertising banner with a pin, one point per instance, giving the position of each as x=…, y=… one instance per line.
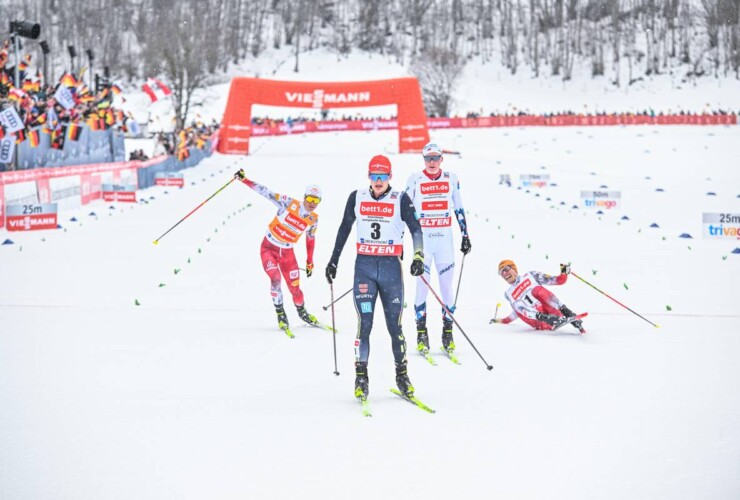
x=7, y=149
x=118, y=192
x=534, y=180
x=722, y=225
x=11, y=121
x=31, y=217
x=169, y=179
x=602, y=199
x=2, y=206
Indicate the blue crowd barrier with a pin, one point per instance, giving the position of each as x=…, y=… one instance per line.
x=93, y=146
x=147, y=175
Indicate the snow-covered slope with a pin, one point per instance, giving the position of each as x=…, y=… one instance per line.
x=196, y=394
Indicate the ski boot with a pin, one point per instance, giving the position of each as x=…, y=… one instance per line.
x=569, y=314
x=361, y=380
x=402, y=380
x=308, y=318
x=422, y=338
x=282, y=317
x=447, y=343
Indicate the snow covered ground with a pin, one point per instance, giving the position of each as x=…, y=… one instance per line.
x=196, y=394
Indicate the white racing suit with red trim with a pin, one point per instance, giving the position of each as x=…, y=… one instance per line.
x=438, y=202
x=527, y=297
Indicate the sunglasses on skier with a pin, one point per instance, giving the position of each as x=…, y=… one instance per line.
x=433, y=158
x=313, y=199
x=379, y=177
x=504, y=269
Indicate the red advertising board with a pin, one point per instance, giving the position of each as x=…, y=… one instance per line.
x=31, y=217
x=170, y=181
x=123, y=196
x=2, y=206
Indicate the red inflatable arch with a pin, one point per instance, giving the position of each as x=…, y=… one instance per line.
x=403, y=92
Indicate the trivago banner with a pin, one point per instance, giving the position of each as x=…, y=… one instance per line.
x=534, y=180
x=31, y=217
x=405, y=93
x=601, y=199
x=721, y=225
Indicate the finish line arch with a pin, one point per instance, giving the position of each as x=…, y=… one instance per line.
x=236, y=127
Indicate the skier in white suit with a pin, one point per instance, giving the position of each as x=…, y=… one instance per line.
x=436, y=196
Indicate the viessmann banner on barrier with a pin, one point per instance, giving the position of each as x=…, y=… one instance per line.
x=30, y=217
x=176, y=179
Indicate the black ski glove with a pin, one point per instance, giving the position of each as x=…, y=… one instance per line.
x=466, y=246
x=331, y=272
x=417, y=265
x=240, y=174
x=564, y=268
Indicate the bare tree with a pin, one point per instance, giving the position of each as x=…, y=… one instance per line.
x=438, y=71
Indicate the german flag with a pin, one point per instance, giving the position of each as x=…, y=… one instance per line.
x=23, y=65
x=74, y=132
x=57, y=138
x=17, y=95
x=31, y=86
x=20, y=136
x=33, y=138
x=183, y=154
x=68, y=80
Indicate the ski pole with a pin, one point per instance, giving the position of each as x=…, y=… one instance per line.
x=490, y=367
x=156, y=242
x=495, y=313
x=333, y=301
x=459, y=279
x=615, y=300
x=334, y=328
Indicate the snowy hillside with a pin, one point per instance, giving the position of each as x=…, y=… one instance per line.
x=483, y=88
